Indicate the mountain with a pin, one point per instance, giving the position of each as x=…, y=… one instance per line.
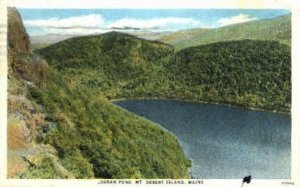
x=40, y=41
x=149, y=35
x=174, y=38
x=251, y=73
x=119, y=63
x=277, y=29
x=56, y=130
x=169, y=37
x=109, y=51
x=248, y=73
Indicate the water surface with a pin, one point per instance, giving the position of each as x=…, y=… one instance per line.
x=223, y=141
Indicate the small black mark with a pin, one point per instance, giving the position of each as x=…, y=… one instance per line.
x=246, y=179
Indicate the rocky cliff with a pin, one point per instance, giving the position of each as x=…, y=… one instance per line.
x=18, y=39
x=24, y=115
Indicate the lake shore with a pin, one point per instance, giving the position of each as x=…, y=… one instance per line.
x=197, y=101
x=203, y=130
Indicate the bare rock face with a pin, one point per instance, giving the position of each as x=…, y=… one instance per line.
x=24, y=116
x=18, y=39
x=22, y=62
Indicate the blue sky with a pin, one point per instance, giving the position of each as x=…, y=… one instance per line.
x=91, y=21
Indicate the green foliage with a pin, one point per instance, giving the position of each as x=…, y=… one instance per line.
x=113, y=64
x=248, y=73
x=112, y=143
x=75, y=162
x=47, y=169
x=103, y=140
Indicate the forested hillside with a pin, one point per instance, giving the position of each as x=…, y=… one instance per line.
x=255, y=74
x=247, y=73
x=177, y=37
x=275, y=29
x=113, y=64
x=56, y=130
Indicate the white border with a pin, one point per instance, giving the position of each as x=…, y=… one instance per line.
x=158, y=4
x=293, y=5
x=3, y=90
x=296, y=94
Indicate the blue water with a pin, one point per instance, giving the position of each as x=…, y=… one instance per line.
x=223, y=142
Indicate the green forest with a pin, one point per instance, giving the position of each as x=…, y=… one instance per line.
x=247, y=73
x=104, y=141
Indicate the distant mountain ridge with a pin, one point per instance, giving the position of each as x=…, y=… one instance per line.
x=40, y=41
x=275, y=29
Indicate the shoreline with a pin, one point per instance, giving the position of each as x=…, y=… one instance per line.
x=164, y=129
x=197, y=101
x=191, y=101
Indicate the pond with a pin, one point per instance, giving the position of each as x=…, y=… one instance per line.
x=223, y=142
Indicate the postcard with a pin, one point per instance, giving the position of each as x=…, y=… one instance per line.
x=140, y=93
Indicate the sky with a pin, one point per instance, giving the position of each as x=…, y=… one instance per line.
x=94, y=21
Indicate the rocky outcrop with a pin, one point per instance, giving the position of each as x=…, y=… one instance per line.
x=18, y=39
x=21, y=61
x=25, y=155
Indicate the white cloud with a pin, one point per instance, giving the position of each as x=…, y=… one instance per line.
x=85, y=21
x=75, y=31
x=236, y=19
x=96, y=24
x=152, y=23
